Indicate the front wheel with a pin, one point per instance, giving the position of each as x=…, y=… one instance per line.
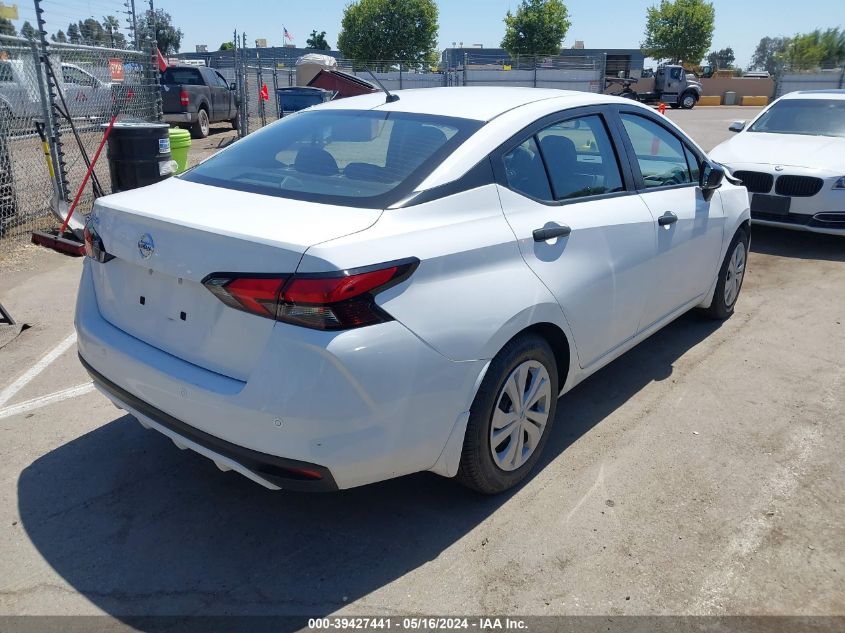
x=731, y=275
x=511, y=416
x=688, y=101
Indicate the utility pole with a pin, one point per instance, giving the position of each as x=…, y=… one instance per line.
x=132, y=21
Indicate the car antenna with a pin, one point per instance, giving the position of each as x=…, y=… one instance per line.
x=390, y=96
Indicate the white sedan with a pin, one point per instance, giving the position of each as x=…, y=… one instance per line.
x=791, y=158
x=375, y=287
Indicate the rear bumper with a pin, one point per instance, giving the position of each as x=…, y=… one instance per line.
x=280, y=472
x=182, y=117
x=364, y=405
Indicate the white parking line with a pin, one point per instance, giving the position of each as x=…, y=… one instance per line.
x=43, y=401
x=36, y=369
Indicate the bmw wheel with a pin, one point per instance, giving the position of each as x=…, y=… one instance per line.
x=731, y=276
x=511, y=416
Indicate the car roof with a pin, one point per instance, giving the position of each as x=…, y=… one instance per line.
x=479, y=103
x=816, y=94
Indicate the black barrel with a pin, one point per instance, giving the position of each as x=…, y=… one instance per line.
x=139, y=154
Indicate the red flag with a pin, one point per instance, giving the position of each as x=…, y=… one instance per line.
x=265, y=93
x=162, y=63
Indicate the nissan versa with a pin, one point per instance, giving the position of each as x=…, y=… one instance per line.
x=374, y=287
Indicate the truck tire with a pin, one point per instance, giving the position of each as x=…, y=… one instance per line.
x=201, y=128
x=688, y=100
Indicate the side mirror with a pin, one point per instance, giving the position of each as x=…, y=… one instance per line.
x=233, y=86
x=712, y=175
x=737, y=126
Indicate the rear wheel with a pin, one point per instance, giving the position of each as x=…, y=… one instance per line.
x=731, y=275
x=236, y=122
x=511, y=416
x=201, y=128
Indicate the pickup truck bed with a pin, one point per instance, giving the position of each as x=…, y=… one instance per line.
x=195, y=96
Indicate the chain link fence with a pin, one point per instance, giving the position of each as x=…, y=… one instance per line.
x=258, y=77
x=55, y=101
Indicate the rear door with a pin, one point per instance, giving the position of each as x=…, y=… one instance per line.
x=687, y=227
x=580, y=224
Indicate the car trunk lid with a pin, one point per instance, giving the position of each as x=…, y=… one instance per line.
x=167, y=238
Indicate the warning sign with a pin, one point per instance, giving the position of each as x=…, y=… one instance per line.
x=116, y=69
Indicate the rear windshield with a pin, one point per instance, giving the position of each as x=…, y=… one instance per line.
x=813, y=117
x=360, y=158
x=185, y=76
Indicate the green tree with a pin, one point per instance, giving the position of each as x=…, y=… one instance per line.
x=92, y=32
x=769, y=53
x=679, y=30
x=112, y=35
x=169, y=37
x=537, y=28
x=832, y=42
x=391, y=30
x=722, y=59
x=7, y=28
x=318, y=41
x=28, y=31
x=59, y=36
x=73, y=35
x=805, y=52
x=226, y=46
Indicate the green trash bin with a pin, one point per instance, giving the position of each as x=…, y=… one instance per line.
x=180, y=143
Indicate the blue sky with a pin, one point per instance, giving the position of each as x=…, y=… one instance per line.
x=601, y=24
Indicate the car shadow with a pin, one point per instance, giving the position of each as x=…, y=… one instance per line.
x=140, y=528
x=770, y=240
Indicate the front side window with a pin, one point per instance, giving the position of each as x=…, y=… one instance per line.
x=660, y=154
x=75, y=76
x=675, y=73
x=580, y=158
x=363, y=158
x=811, y=117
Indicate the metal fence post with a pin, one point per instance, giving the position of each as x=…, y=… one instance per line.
x=535, y=71
x=245, y=80
x=260, y=81
x=400, y=75
x=57, y=154
x=49, y=123
x=154, y=69
x=276, y=84
x=466, y=57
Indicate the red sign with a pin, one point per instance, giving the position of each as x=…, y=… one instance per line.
x=116, y=69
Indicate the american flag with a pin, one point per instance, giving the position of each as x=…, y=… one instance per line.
x=288, y=35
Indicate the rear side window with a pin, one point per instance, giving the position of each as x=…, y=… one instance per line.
x=660, y=154
x=525, y=172
x=580, y=158
x=185, y=76
x=363, y=158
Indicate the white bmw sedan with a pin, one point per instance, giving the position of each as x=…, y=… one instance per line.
x=791, y=158
x=376, y=287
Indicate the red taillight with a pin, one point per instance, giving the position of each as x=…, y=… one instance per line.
x=183, y=98
x=333, y=301
x=89, y=242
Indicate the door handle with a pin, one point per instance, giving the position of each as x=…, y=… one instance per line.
x=549, y=233
x=667, y=218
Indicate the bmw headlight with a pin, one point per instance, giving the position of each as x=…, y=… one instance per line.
x=839, y=184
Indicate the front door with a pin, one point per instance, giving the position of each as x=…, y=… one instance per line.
x=688, y=228
x=581, y=226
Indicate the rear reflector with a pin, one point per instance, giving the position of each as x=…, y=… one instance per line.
x=331, y=301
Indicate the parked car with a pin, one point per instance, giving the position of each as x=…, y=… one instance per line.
x=372, y=288
x=85, y=95
x=791, y=158
x=196, y=96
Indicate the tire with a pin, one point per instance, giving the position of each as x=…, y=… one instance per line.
x=201, y=128
x=730, y=280
x=236, y=122
x=688, y=100
x=479, y=469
